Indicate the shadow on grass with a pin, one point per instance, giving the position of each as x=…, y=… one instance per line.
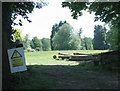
x=61, y=77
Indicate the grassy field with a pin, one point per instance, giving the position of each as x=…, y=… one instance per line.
x=46, y=57
x=39, y=64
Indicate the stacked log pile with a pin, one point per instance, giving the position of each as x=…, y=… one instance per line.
x=75, y=56
x=98, y=59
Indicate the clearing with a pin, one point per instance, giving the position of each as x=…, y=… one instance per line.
x=44, y=72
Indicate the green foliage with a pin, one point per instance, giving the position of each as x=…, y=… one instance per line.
x=38, y=49
x=99, y=41
x=62, y=37
x=29, y=49
x=113, y=39
x=31, y=44
x=11, y=10
x=17, y=36
x=24, y=8
x=36, y=44
x=75, y=42
x=75, y=8
x=86, y=43
x=91, y=47
x=26, y=41
x=65, y=39
x=80, y=32
x=105, y=11
x=55, y=29
x=46, y=44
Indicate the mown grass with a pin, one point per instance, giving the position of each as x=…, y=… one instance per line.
x=46, y=58
x=33, y=78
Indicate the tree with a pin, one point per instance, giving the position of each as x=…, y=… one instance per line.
x=26, y=41
x=55, y=29
x=83, y=44
x=107, y=12
x=10, y=11
x=17, y=38
x=112, y=39
x=86, y=43
x=31, y=44
x=80, y=32
x=64, y=39
x=37, y=44
x=75, y=42
x=104, y=11
x=91, y=48
x=46, y=44
x=99, y=41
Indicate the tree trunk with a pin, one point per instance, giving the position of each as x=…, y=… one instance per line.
x=6, y=29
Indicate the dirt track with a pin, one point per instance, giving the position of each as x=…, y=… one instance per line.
x=76, y=78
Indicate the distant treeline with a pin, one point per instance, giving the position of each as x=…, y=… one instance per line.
x=63, y=37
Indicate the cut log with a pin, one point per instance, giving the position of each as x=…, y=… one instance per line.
x=81, y=54
x=63, y=54
x=54, y=56
x=81, y=58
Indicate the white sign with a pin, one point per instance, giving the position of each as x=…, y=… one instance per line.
x=17, y=60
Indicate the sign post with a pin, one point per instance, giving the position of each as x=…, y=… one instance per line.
x=17, y=60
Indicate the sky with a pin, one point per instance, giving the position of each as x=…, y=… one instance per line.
x=43, y=19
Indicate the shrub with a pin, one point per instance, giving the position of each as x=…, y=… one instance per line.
x=29, y=49
x=37, y=49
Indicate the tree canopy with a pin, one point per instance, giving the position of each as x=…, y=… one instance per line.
x=12, y=9
x=107, y=12
x=86, y=43
x=17, y=35
x=99, y=41
x=46, y=44
x=104, y=11
x=65, y=39
x=55, y=29
x=26, y=41
x=37, y=44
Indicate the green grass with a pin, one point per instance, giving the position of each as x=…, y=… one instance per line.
x=46, y=58
x=33, y=78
